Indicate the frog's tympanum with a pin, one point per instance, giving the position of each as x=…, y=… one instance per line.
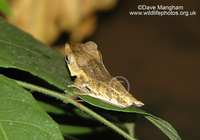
x=93, y=79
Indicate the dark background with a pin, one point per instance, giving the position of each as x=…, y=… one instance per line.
x=160, y=58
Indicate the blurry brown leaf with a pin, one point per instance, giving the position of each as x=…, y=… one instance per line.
x=85, y=29
x=47, y=19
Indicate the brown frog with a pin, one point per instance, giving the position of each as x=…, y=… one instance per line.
x=93, y=79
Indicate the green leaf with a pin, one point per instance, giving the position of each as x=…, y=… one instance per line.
x=21, y=117
x=21, y=51
x=164, y=126
x=4, y=7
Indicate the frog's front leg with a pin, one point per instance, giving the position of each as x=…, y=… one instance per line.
x=79, y=83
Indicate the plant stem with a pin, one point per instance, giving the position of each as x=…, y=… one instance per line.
x=66, y=98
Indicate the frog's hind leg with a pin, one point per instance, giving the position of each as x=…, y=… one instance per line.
x=98, y=96
x=85, y=93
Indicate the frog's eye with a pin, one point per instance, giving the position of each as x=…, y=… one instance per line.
x=80, y=68
x=68, y=58
x=91, y=46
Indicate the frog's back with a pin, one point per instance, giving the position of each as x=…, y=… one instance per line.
x=90, y=60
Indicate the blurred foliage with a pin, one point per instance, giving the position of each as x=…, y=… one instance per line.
x=46, y=20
